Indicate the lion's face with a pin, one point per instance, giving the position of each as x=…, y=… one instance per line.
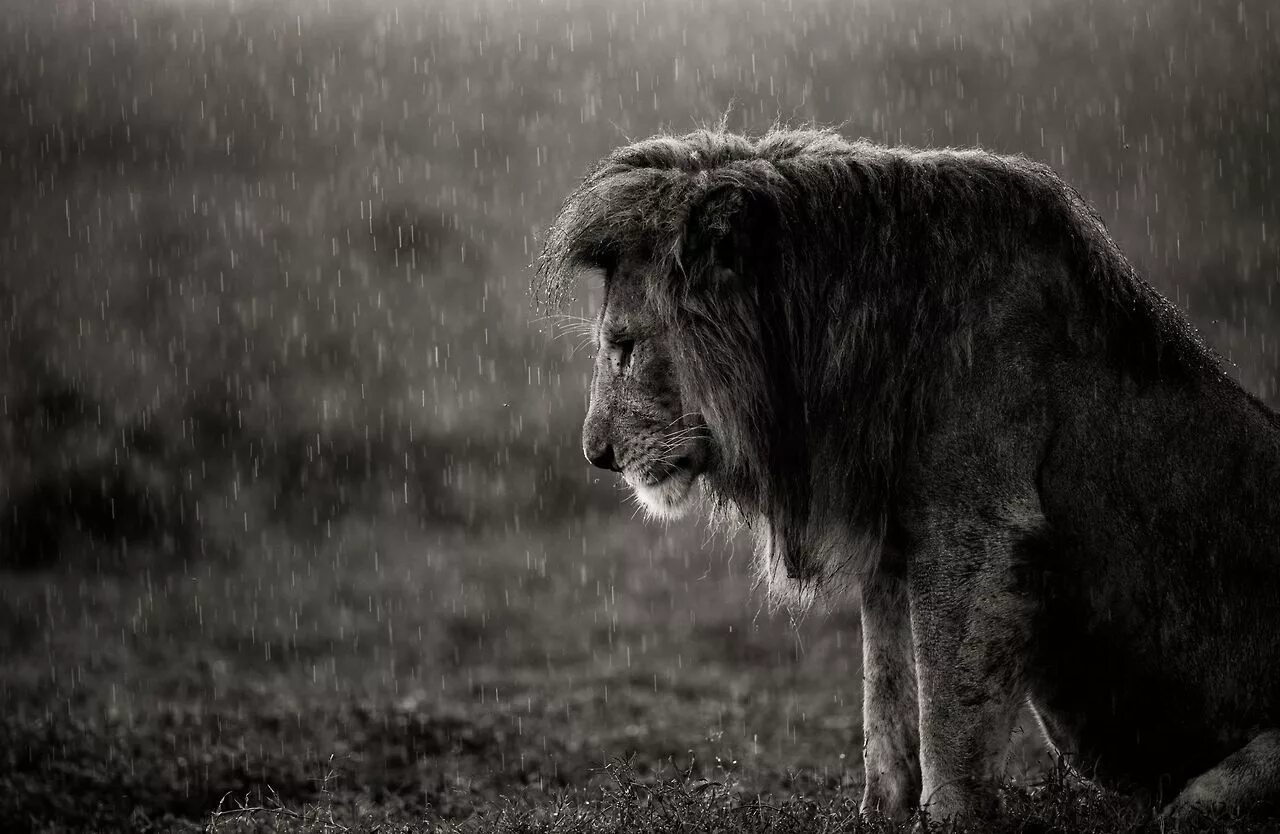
x=637, y=422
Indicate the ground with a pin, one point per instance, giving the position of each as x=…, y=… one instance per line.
x=425, y=675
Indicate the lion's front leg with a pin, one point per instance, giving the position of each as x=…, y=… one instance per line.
x=890, y=720
x=971, y=630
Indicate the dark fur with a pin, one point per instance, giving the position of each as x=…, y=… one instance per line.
x=889, y=246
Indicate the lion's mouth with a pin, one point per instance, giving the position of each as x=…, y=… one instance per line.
x=652, y=475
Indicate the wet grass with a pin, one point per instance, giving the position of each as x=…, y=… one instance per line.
x=425, y=675
x=681, y=801
x=604, y=676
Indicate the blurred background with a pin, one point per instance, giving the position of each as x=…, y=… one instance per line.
x=291, y=489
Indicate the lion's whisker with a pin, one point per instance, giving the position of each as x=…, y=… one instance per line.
x=680, y=439
x=681, y=417
x=669, y=443
x=685, y=430
x=575, y=332
x=562, y=317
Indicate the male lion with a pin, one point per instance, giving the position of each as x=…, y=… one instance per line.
x=933, y=375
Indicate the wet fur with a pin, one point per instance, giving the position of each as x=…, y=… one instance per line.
x=942, y=355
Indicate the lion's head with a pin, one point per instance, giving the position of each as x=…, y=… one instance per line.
x=697, y=373
x=784, y=314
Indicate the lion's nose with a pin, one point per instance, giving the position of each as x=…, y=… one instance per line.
x=602, y=457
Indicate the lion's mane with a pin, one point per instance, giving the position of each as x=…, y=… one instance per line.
x=812, y=289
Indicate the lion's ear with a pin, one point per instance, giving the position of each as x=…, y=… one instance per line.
x=716, y=236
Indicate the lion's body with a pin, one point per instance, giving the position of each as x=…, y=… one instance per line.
x=1150, y=550
x=1157, y=646
x=932, y=375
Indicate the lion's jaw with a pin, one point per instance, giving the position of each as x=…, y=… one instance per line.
x=666, y=493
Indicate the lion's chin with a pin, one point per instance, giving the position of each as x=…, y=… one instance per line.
x=668, y=498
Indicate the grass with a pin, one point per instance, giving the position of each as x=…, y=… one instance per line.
x=601, y=676
x=681, y=801
x=433, y=673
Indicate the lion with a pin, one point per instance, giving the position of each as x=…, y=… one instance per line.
x=932, y=377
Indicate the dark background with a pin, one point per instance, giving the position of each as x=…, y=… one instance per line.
x=290, y=479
